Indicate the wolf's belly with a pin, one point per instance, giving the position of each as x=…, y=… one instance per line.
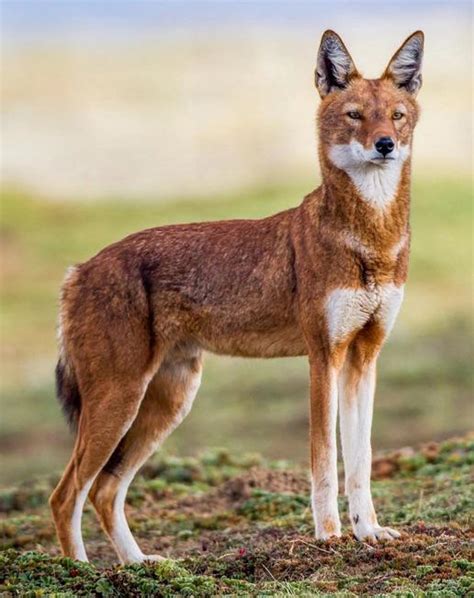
x=349, y=310
x=284, y=342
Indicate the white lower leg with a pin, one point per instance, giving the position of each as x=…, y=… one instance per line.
x=356, y=408
x=120, y=534
x=356, y=421
x=325, y=485
x=76, y=518
x=324, y=505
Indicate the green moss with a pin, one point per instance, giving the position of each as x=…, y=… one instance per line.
x=36, y=574
x=451, y=588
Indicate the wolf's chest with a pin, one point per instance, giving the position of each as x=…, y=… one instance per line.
x=349, y=310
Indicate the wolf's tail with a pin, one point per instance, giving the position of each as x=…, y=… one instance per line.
x=67, y=387
x=67, y=390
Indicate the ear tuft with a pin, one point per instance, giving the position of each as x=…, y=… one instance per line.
x=335, y=67
x=405, y=66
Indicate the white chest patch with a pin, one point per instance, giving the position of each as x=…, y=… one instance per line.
x=377, y=183
x=349, y=310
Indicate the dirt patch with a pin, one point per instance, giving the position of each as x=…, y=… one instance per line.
x=234, y=492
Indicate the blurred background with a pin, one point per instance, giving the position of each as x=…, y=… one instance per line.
x=117, y=116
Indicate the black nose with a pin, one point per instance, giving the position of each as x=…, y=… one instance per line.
x=384, y=145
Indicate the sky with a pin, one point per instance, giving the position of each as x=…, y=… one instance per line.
x=24, y=18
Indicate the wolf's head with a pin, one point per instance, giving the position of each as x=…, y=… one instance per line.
x=365, y=125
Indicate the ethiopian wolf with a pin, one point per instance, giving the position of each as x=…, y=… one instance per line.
x=324, y=279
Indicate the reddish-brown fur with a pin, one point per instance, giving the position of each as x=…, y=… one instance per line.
x=136, y=318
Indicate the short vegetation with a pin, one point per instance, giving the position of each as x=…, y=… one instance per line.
x=242, y=526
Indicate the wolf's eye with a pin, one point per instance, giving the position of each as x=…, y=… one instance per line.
x=397, y=115
x=354, y=115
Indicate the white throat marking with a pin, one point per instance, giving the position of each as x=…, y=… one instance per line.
x=376, y=183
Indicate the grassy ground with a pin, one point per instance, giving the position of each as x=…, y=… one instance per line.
x=425, y=381
x=242, y=526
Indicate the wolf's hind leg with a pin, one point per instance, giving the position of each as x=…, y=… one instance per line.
x=107, y=413
x=167, y=401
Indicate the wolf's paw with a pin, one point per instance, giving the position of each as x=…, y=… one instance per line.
x=327, y=536
x=374, y=533
x=143, y=558
x=147, y=558
x=329, y=528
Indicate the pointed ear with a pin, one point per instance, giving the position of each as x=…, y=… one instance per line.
x=335, y=67
x=404, y=69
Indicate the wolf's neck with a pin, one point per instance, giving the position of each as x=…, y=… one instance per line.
x=367, y=197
